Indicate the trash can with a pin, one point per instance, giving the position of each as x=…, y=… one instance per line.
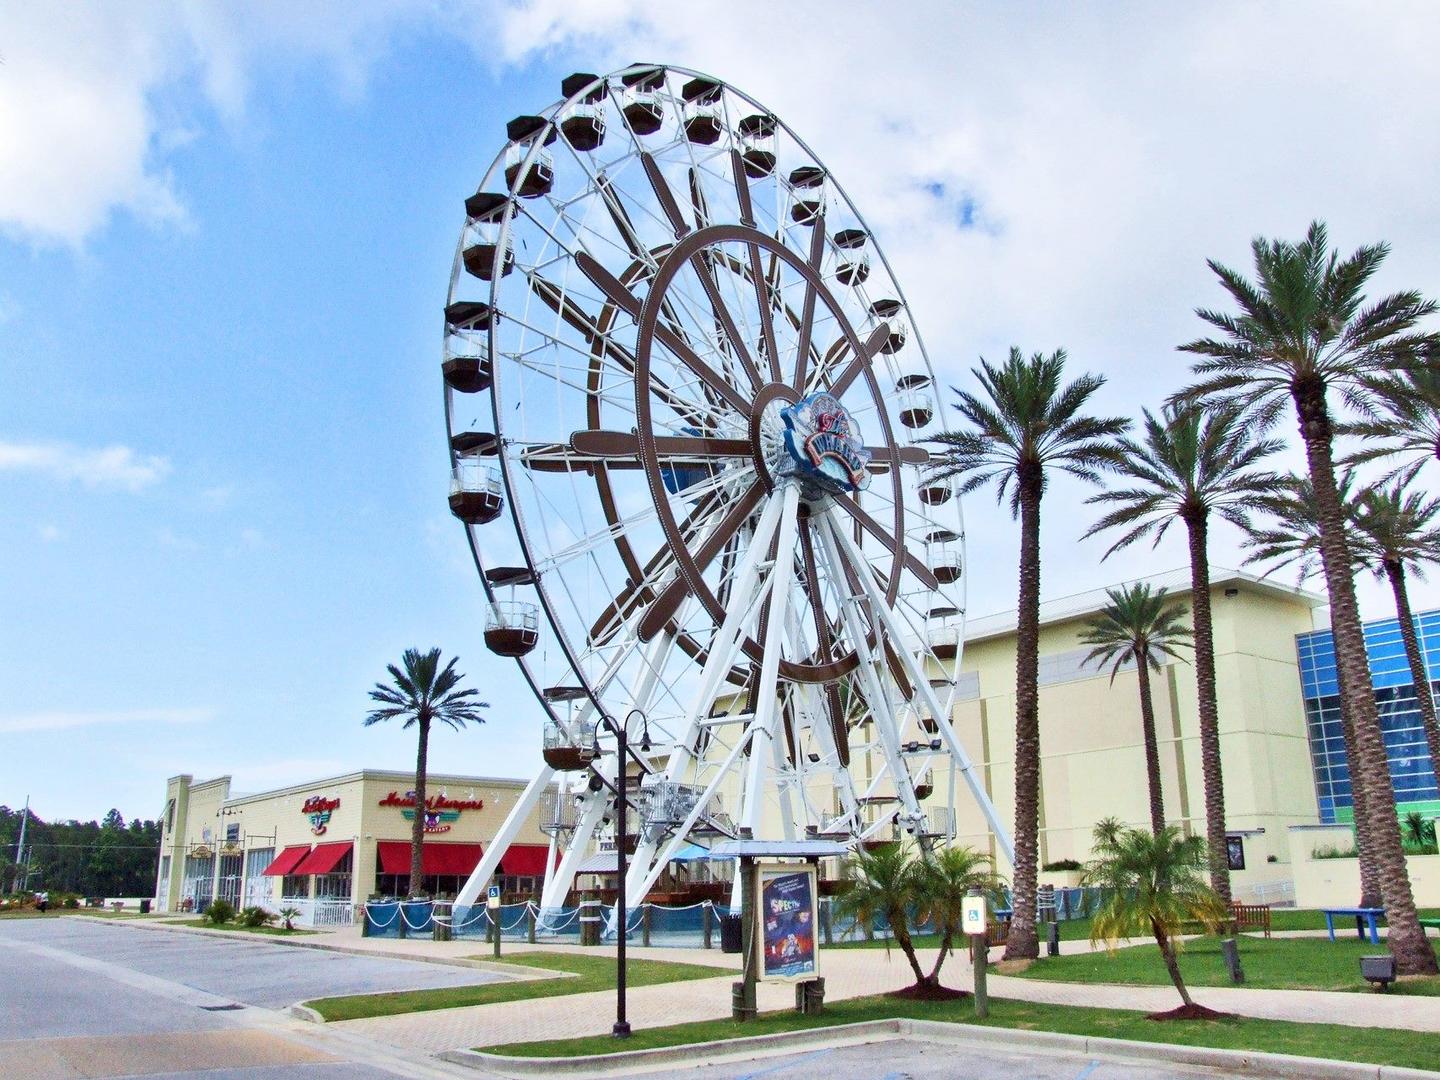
x=731, y=937
x=144, y=907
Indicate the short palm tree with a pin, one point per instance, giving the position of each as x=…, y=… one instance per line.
x=1404, y=422
x=1025, y=423
x=887, y=885
x=1154, y=883
x=422, y=695
x=1190, y=465
x=1303, y=332
x=946, y=878
x=1139, y=627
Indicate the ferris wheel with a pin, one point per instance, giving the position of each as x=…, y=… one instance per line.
x=687, y=411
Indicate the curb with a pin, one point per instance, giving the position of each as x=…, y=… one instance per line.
x=1249, y=1062
x=304, y=1012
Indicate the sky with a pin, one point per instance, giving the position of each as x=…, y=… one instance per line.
x=226, y=234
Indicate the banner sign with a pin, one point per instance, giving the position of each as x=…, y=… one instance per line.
x=318, y=809
x=441, y=811
x=787, y=917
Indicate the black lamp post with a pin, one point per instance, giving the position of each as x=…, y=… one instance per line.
x=621, y=791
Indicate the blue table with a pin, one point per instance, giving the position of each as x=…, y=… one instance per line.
x=1370, y=915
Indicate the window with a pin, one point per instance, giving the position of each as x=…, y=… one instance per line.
x=1235, y=852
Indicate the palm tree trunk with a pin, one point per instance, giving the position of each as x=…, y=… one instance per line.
x=945, y=943
x=902, y=938
x=1365, y=847
x=1413, y=954
x=417, y=829
x=1207, y=706
x=1152, y=748
x=1424, y=696
x=1172, y=965
x=1024, y=943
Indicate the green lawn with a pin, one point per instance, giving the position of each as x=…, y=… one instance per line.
x=594, y=973
x=1274, y=963
x=1383, y=1046
x=278, y=931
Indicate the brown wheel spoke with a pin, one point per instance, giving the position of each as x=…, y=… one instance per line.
x=705, y=272
x=626, y=444
x=607, y=283
x=764, y=299
x=666, y=197
x=890, y=543
x=742, y=189
x=807, y=311
x=857, y=366
x=670, y=598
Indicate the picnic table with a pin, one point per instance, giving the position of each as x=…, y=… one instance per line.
x=1369, y=916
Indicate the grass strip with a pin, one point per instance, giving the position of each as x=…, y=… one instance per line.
x=1381, y=1046
x=593, y=973
x=1269, y=964
x=274, y=931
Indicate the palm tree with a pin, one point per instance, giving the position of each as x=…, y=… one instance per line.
x=1405, y=421
x=887, y=886
x=422, y=694
x=1137, y=627
x=1154, y=883
x=1027, y=422
x=1301, y=333
x=946, y=878
x=1190, y=465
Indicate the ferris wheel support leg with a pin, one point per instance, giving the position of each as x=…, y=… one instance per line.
x=563, y=880
x=521, y=811
x=922, y=682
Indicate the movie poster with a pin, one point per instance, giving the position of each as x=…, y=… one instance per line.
x=787, y=922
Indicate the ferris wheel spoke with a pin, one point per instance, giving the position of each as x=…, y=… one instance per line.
x=859, y=363
x=807, y=312
x=675, y=450
x=891, y=543
x=627, y=302
x=664, y=195
x=742, y=189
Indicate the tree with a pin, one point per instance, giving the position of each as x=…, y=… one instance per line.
x=1026, y=422
x=1137, y=626
x=1405, y=421
x=1154, y=883
x=946, y=878
x=1189, y=466
x=1302, y=332
x=887, y=885
x=422, y=694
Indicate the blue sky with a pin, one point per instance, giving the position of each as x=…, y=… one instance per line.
x=222, y=263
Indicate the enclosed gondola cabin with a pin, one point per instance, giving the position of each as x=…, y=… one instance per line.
x=466, y=373
x=944, y=636
x=476, y=495
x=640, y=104
x=917, y=403
x=924, y=790
x=936, y=492
x=560, y=750
x=529, y=169
x=512, y=628
x=852, y=263
x=757, y=144
x=582, y=122
x=942, y=555
x=482, y=256
x=807, y=185
x=467, y=317
x=702, y=111
x=891, y=313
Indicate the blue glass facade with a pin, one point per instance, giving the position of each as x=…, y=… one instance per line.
x=1410, y=767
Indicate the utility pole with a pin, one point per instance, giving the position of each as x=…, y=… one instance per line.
x=20, y=847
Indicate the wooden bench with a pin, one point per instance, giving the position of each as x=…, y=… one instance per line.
x=1251, y=917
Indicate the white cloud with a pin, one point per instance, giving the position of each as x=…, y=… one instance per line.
x=110, y=467
x=22, y=723
x=50, y=533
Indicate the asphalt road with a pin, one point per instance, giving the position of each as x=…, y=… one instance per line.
x=88, y=999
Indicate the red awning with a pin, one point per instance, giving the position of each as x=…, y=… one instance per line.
x=324, y=858
x=436, y=857
x=287, y=860
x=525, y=860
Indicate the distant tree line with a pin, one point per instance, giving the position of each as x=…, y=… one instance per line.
x=91, y=858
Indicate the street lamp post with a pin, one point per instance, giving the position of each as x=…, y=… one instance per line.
x=621, y=790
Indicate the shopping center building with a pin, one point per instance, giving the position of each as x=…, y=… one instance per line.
x=324, y=846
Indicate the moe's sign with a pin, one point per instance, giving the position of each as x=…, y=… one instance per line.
x=318, y=809
x=441, y=811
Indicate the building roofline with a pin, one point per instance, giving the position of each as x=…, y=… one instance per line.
x=1177, y=582
x=309, y=786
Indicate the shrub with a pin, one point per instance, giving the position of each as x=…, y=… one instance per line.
x=289, y=915
x=219, y=912
x=255, y=916
x=1062, y=864
x=1330, y=851
x=70, y=902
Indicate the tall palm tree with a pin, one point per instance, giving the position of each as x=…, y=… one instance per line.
x=1405, y=421
x=1302, y=332
x=1026, y=422
x=946, y=878
x=1189, y=465
x=887, y=885
x=1153, y=884
x=423, y=694
x=1138, y=627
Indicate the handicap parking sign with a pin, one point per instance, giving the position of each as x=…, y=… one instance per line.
x=492, y=899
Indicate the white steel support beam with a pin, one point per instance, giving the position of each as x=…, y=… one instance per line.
x=519, y=813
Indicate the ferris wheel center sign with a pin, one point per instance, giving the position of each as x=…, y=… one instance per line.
x=825, y=447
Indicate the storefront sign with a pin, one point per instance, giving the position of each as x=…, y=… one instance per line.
x=318, y=808
x=787, y=916
x=441, y=811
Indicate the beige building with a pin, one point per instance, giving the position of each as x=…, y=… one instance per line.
x=1092, y=753
x=324, y=847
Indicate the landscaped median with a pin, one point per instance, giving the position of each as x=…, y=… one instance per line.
x=576, y=974
x=1377, y=1046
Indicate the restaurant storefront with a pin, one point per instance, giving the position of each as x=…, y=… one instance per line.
x=323, y=848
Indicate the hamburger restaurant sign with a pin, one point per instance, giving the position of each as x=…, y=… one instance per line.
x=441, y=811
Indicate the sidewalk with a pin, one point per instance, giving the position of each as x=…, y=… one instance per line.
x=849, y=973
